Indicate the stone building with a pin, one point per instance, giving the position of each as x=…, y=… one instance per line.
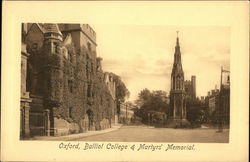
x=65, y=90
x=177, y=114
x=25, y=97
x=126, y=113
x=190, y=88
x=218, y=102
x=213, y=100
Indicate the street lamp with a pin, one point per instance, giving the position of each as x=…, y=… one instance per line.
x=221, y=98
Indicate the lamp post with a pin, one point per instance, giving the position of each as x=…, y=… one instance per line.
x=220, y=124
x=222, y=101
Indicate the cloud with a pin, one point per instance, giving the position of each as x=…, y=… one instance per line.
x=143, y=55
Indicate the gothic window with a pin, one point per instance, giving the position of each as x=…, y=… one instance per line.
x=101, y=100
x=70, y=112
x=48, y=82
x=57, y=48
x=70, y=85
x=70, y=57
x=89, y=90
x=92, y=67
x=54, y=46
x=178, y=82
x=228, y=79
x=174, y=84
x=87, y=70
x=89, y=46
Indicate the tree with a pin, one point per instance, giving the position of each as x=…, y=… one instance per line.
x=152, y=106
x=121, y=90
x=195, y=114
x=143, y=97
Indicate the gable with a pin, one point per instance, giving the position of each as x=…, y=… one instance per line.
x=34, y=38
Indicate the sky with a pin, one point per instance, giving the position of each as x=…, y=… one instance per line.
x=143, y=55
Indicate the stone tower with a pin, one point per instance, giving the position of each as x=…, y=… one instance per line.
x=193, y=80
x=177, y=114
x=53, y=71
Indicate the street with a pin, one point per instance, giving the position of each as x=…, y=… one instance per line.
x=151, y=134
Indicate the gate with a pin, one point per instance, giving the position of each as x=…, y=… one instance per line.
x=37, y=123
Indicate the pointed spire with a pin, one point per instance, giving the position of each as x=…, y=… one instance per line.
x=177, y=55
x=177, y=39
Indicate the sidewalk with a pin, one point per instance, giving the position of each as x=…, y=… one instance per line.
x=72, y=137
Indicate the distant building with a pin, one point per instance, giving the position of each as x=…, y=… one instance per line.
x=190, y=88
x=219, y=104
x=202, y=99
x=126, y=113
x=213, y=100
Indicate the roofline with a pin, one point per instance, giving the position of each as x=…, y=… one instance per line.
x=75, y=30
x=38, y=27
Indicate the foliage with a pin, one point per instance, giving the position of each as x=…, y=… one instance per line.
x=195, y=113
x=152, y=106
x=152, y=101
x=121, y=90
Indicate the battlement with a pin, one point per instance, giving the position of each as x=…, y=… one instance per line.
x=85, y=28
x=88, y=29
x=187, y=82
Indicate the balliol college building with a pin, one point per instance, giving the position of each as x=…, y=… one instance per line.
x=63, y=87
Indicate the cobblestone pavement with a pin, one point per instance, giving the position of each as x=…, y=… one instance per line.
x=151, y=134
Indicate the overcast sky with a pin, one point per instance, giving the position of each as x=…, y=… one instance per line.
x=143, y=55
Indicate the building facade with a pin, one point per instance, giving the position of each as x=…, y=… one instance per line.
x=177, y=114
x=213, y=101
x=190, y=88
x=65, y=89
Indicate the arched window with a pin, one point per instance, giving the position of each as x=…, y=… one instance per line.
x=89, y=46
x=178, y=82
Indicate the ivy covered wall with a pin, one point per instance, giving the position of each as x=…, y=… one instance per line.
x=65, y=74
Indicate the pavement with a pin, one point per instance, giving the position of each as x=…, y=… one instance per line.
x=73, y=137
x=143, y=133
x=152, y=134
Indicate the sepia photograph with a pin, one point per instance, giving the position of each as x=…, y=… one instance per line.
x=159, y=84
x=125, y=81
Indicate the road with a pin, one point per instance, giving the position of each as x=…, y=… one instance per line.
x=151, y=134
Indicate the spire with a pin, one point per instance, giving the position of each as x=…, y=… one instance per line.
x=177, y=55
x=177, y=39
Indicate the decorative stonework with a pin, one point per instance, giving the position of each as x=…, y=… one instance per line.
x=177, y=114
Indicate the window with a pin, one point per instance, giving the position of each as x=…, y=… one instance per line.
x=70, y=112
x=89, y=46
x=70, y=57
x=92, y=67
x=70, y=84
x=89, y=90
x=34, y=46
x=228, y=79
x=53, y=47
x=101, y=100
